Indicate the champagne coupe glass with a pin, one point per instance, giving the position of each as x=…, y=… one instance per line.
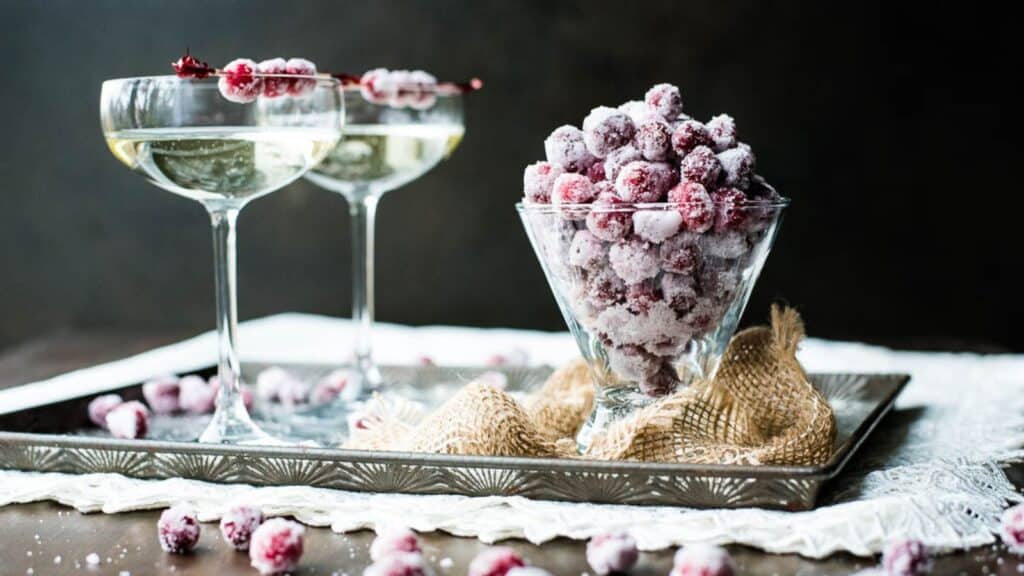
x=182, y=135
x=384, y=147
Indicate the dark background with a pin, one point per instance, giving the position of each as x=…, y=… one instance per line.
x=888, y=126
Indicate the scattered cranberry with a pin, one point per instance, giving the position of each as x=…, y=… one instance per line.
x=178, y=530
x=722, y=129
x=688, y=135
x=276, y=546
x=695, y=206
x=495, y=561
x=634, y=260
x=301, y=67
x=565, y=148
x=612, y=552
x=197, y=396
x=679, y=291
x=618, y=158
x=239, y=81
x=330, y=387
x=906, y=558
x=701, y=166
x=248, y=398
x=702, y=560
x=730, y=208
x=737, y=166
x=426, y=361
x=666, y=100
x=129, y=420
x=238, y=524
x=399, y=564
x=608, y=219
x=269, y=382
x=394, y=540
x=603, y=288
x=294, y=392
x=1012, y=528
x=572, y=189
x=656, y=225
x=654, y=139
x=100, y=406
x=587, y=251
x=162, y=394
x=641, y=182
x=188, y=66
x=606, y=129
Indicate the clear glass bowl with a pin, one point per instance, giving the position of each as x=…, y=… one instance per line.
x=653, y=309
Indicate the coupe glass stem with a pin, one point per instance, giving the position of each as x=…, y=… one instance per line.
x=363, y=208
x=231, y=422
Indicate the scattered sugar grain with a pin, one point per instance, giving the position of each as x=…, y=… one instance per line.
x=446, y=563
x=93, y=559
x=57, y=559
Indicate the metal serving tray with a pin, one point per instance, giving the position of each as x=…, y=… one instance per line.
x=57, y=438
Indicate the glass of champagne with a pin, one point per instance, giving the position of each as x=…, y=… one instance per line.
x=384, y=147
x=184, y=136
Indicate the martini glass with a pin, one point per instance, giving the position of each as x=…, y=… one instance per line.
x=384, y=148
x=182, y=135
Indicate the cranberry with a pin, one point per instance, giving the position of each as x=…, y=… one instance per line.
x=702, y=560
x=596, y=172
x=238, y=524
x=606, y=129
x=701, y=166
x=294, y=392
x=495, y=561
x=399, y=564
x=726, y=245
x=1012, y=528
x=719, y=283
x=239, y=82
x=162, y=394
x=634, y=260
x=680, y=254
x=612, y=552
x=248, y=398
x=587, y=251
x=679, y=291
x=276, y=546
x=666, y=100
x=656, y=225
x=129, y=420
x=100, y=406
x=906, y=558
x=640, y=297
x=270, y=381
x=394, y=540
x=702, y=316
x=722, y=129
x=637, y=110
x=401, y=93
x=603, y=288
x=196, y=397
x=688, y=135
x=694, y=205
x=730, y=209
x=641, y=182
x=565, y=147
x=631, y=362
x=572, y=189
x=178, y=530
x=608, y=219
x=654, y=139
x=425, y=90
x=276, y=86
x=188, y=66
x=330, y=387
x=301, y=67
x=618, y=158
x=373, y=86
x=737, y=166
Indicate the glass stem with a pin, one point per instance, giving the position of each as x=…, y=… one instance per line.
x=363, y=208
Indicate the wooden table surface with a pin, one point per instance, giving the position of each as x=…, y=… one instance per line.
x=47, y=538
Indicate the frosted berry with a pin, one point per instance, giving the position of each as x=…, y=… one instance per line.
x=238, y=81
x=399, y=93
x=611, y=553
x=1011, y=529
x=572, y=189
x=565, y=148
x=606, y=129
x=425, y=94
x=680, y=254
x=906, y=557
x=238, y=524
x=730, y=209
x=640, y=297
x=495, y=561
x=680, y=291
x=727, y=245
x=269, y=382
x=737, y=166
x=702, y=560
x=654, y=139
x=702, y=316
x=637, y=110
x=196, y=396
x=608, y=219
x=161, y=394
x=641, y=182
x=178, y=530
x=394, y=540
x=248, y=398
x=399, y=564
x=587, y=251
x=722, y=129
x=596, y=172
x=618, y=158
x=188, y=66
x=276, y=546
x=634, y=260
x=129, y=420
x=330, y=386
x=631, y=362
x=373, y=86
x=701, y=166
x=666, y=100
x=276, y=86
x=662, y=382
x=100, y=406
x=300, y=67
x=695, y=206
x=656, y=225
x=603, y=288
x=688, y=135
x=718, y=283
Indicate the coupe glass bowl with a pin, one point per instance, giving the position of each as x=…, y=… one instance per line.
x=652, y=306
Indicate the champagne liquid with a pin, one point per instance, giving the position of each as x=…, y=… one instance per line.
x=382, y=157
x=221, y=163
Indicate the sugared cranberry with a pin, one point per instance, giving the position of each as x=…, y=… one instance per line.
x=300, y=67
x=656, y=225
x=238, y=81
x=631, y=362
x=238, y=524
x=596, y=172
x=587, y=251
x=269, y=382
x=188, y=66
x=702, y=560
x=495, y=561
x=276, y=546
x=688, y=135
x=702, y=316
x=661, y=383
x=196, y=396
x=425, y=90
x=640, y=297
x=572, y=189
x=695, y=206
x=178, y=530
x=634, y=260
x=1011, y=529
x=162, y=394
x=278, y=85
x=679, y=290
x=611, y=553
x=330, y=386
x=666, y=100
x=730, y=209
x=399, y=564
x=401, y=89
x=604, y=288
x=618, y=158
x=128, y=420
x=637, y=110
x=906, y=557
x=701, y=166
x=372, y=86
x=654, y=139
x=565, y=148
x=606, y=129
x=294, y=392
x=680, y=254
x=641, y=182
x=494, y=379
x=248, y=398
x=737, y=166
x=608, y=219
x=722, y=129
x=718, y=283
x=727, y=245
x=100, y=406
x=394, y=540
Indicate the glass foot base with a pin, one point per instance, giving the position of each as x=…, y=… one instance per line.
x=368, y=381
x=233, y=425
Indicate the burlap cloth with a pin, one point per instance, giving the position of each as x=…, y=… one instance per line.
x=760, y=409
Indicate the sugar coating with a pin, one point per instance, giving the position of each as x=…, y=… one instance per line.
x=702, y=560
x=565, y=148
x=178, y=530
x=372, y=86
x=294, y=392
x=269, y=382
x=425, y=96
x=608, y=219
x=276, y=546
x=656, y=225
x=572, y=188
x=399, y=564
x=161, y=394
x=596, y=172
x=640, y=297
x=92, y=559
x=718, y=283
x=611, y=552
x=128, y=420
x=688, y=135
x=654, y=139
x=618, y=158
x=1011, y=528
x=274, y=87
x=630, y=362
x=906, y=557
x=730, y=209
x=641, y=182
x=196, y=395
x=702, y=316
x=665, y=99
x=587, y=251
x=695, y=206
x=727, y=245
x=606, y=129
x=604, y=287
x=722, y=129
x=394, y=539
x=680, y=291
x=623, y=328
x=495, y=561
x=701, y=166
x=330, y=386
x=680, y=254
x=634, y=260
x=100, y=406
x=637, y=110
x=238, y=524
x=737, y=166
x=238, y=81
x=301, y=67
x=245, y=391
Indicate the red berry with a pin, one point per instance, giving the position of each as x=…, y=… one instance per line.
x=662, y=382
x=634, y=260
x=640, y=297
x=728, y=245
x=722, y=129
x=656, y=225
x=618, y=158
x=276, y=546
x=702, y=560
x=702, y=316
x=188, y=66
x=276, y=86
x=654, y=139
x=603, y=288
x=608, y=219
x=245, y=391
x=606, y=129
x=373, y=86
x=330, y=387
x=425, y=90
x=680, y=254
x=394, y=540
x=162, y=394
x=737, y=166
x=496, y=561
x=300, y=67
x=719, y=283
x=238, y=81
x=100, y=406
x=178, y=530
x=572, y=189
x=1012, y=528
x=666, y=100
x=688, y=135
x=701, y=166
x=631, y=362
x=642, y=182
x=399, y=564
x=730, y=209
x=596, y=172
x=238, y=524
x=539, y=180
x=587, y=251
x=679, y=291
x=129, y=420
x=694, y=205
x=196, y=396
x=565, y=148
x=906, y=558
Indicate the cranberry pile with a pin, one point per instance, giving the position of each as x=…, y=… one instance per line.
x=657, y=217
